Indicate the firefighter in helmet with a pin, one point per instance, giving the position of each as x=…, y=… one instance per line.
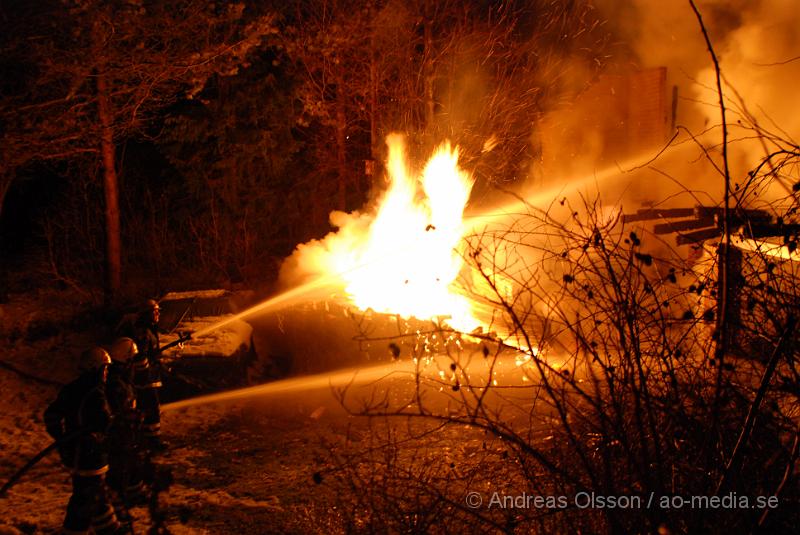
x=79, y=420
x=147, y=370
x=126, y=461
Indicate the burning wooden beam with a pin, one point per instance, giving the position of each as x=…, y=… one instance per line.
x=646, y=214
x=699, y=235
x=764, y=230
x=740, y=215
x=679, y=226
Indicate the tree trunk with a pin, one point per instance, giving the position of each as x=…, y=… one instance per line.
x=5, y=184
x=373, y=91
x=341, y=143
x=430, y=104
x=107, y=152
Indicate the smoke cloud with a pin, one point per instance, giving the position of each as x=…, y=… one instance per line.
x=758, y=48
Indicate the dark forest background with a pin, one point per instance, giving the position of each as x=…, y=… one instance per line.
x=160, y=145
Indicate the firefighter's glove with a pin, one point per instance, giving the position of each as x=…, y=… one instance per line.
x=185, y=336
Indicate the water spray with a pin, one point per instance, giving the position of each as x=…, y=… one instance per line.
x=279, y=300
x=511, y=209
x=295, y=294
x=522, y=204
x=342, y=378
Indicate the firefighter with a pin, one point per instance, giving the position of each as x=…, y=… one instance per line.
x=126, y=461
x=78, y=420
x=147, y=371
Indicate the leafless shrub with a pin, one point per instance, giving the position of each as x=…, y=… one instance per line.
x=612, y=387
x=634, y=373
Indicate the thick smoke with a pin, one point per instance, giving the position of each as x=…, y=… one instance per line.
x=759, y=52
x=754, y=41
x=758, y=48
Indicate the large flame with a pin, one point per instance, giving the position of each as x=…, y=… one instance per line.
x=403, y=258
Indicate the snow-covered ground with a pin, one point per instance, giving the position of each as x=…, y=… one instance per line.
x=34, y=341
x=241, y=468
x=246, y=467
x=265, y=463
x=209, y=445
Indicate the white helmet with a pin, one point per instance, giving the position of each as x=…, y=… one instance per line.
x=93, y=359
x=123, y=350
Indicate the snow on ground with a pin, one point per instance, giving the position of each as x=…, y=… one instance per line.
x=221, y=484
x=258, y=465
x=236, y=470
x=34, y=340
x=248, y=467
x=37, y=502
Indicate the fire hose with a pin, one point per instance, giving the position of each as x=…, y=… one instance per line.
x=183, y=337
x=34, y=460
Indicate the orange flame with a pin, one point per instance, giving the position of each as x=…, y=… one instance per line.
x=404, y=258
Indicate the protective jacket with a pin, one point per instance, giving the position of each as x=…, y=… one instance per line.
x=80, y=418
x=122, y=401
x=147, y=367
x=125, y=436
x=119, y=391
x=146, y=374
